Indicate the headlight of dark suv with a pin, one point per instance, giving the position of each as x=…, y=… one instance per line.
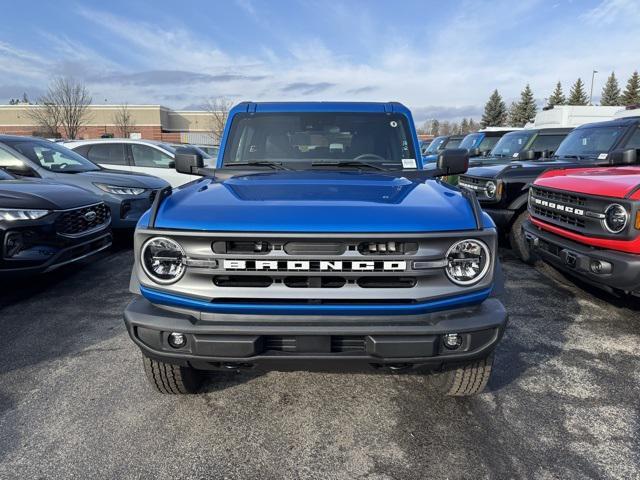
x=163, y=260
x=616, y=218
x=468, y=262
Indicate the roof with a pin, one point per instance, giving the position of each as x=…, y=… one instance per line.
x=113, y=140
x=618, y=122
x=369, y=107
x=20, y=137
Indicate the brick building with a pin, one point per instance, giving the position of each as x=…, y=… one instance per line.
x=153, y=122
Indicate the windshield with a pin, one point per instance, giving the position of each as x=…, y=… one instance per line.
x=511, y=144
x=52, y=156
x=435, y=145
x=471, y=141
x=5, y=176
x=589, y=142
x=308, y=139
x=452, y=143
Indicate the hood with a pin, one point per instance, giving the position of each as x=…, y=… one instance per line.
x=495, y=170
x=484, y=161
x=123, y=179
x=318, y=201
x=43, y=195
x=615, y=182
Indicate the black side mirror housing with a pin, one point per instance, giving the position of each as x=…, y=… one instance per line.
x=627, y=156
x=187, y=161
x=475, y=152
x=527, y=155
x=453, y=162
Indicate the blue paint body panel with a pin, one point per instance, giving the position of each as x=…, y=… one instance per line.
x=317, y=201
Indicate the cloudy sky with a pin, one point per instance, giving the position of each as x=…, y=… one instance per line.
x=442, y=59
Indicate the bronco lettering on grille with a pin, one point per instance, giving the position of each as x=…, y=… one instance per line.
x=316, y=265
x=558, y=206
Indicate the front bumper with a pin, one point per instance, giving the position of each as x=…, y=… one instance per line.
x=72, y=252
x=500, y=216
x=312, y=342
x=577, y=259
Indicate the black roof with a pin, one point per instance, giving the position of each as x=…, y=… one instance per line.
x=618, y=122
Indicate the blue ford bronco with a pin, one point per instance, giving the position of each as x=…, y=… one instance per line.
x=318, y=242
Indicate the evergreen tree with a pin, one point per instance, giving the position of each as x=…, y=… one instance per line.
x=524, y=111
x=557, y=97
x=611, y=92
x=464, y=126
x=631, y=94
x=577, y=95
x=495, y=111
x=512, y=114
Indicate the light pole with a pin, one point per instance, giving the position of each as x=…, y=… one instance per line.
x=593, y=75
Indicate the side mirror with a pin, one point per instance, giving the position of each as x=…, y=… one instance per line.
x=628, y=156
x=19, y=168
x=474, y=152
x=527, y=155
x=186, y=161
x=453, y=162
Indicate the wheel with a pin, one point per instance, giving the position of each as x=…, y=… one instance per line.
x=172, y=379
x=517, y=241
x=468, y=379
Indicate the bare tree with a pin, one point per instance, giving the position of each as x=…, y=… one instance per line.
x=47, y=117
x=219, y=108
x=123, y=121
x=66, y=105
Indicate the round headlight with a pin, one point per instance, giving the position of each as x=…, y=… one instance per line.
x=163, y=260
x=615, y=218
x=468, y=262
x=491, y=189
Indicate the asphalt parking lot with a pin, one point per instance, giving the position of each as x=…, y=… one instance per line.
x=74, y=403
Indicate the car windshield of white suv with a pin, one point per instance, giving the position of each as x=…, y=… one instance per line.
x=589, y=142
x=315, y=139
x=511, y=144
x=52, y=156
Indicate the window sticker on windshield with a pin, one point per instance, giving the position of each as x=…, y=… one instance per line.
x=515, y=155
x=408, y=163
x=602, y=156
x=393, y=124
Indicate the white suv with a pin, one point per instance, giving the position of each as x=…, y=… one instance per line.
x=146, y=156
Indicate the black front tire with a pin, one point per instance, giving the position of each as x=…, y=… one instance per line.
x=466, y=380
x=517, y=240
x=171, y=379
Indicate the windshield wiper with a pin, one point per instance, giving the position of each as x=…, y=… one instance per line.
x=348, y=163
x=577, y=157
x=258, y=163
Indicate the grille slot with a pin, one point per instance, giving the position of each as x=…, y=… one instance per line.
x=315, y=282
x=242, y=281
x=79, y=221
x=314, y=248
x=573, y=200
x=339, y=344
x=387, y=282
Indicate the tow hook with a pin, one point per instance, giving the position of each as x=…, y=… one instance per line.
x=571, y=259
